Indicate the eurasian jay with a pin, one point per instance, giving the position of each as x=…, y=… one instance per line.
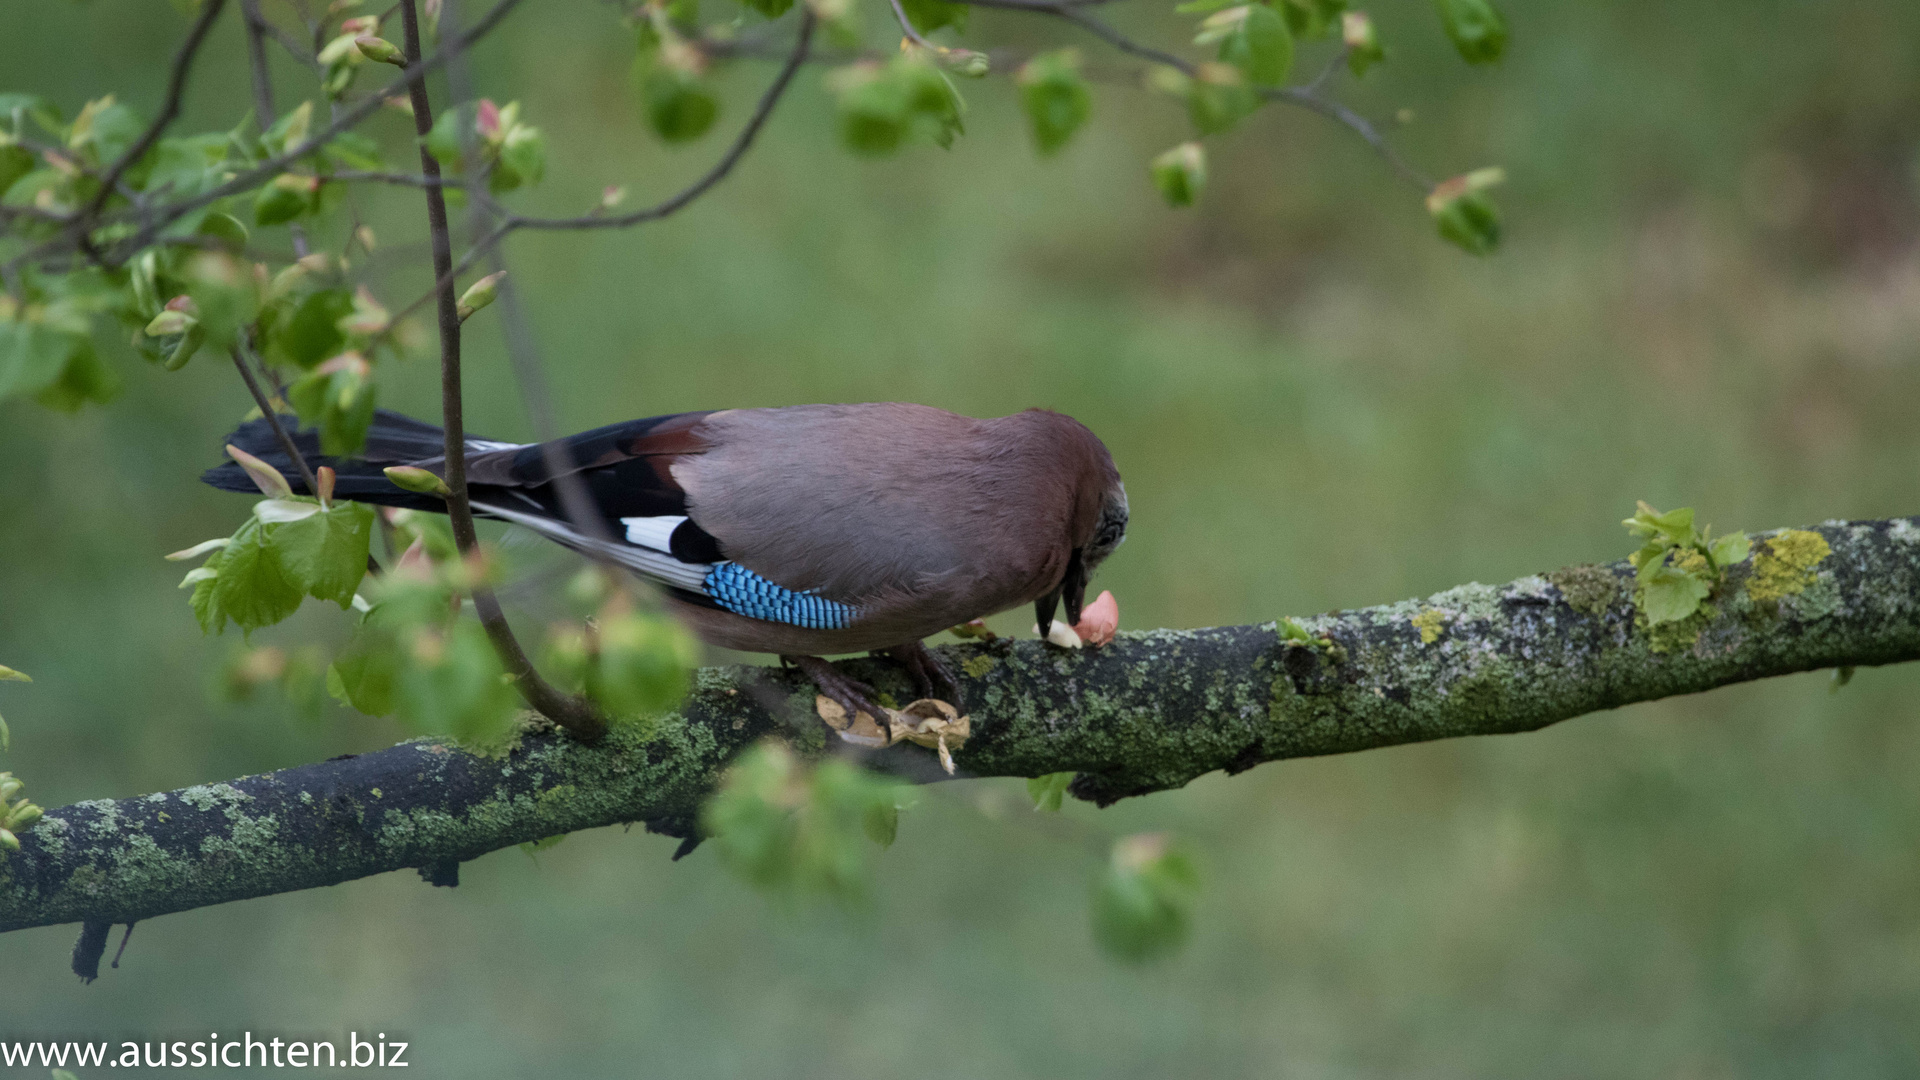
x=801, y=531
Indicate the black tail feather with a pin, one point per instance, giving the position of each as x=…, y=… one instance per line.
x=393, y=439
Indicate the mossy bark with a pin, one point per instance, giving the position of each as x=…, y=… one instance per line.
x=1149, y=712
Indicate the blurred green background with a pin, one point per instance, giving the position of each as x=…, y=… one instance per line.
x=1709, y=296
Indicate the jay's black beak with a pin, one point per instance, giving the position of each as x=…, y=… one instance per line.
x=1043, y=611
x=1073, y=587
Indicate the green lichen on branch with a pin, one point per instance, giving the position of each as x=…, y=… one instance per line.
x=1784, y=564
x=1149, y=712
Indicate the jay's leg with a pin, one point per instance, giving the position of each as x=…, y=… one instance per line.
x=931, y=675
x=849, y=693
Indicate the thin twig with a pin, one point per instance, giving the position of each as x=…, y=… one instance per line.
x=170, y=109
x=240, y=351
x=401, y=179
x=1307, y=97
x=264, y=112
x=741, y=143
x=572, y=713
x=277, y=164
x=912, y=32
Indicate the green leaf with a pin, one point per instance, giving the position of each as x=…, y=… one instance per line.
x=453, y=684
x=523, y=159
x=338, y=398
x=285, y=199
x=6, y=737
x=224, y=292
x=355, y=150
x=33, y=355
x=249, y=586
x=1670, y=594
x=1055, y=98
x=451, y=129
x=312, y=333
x=290, y=130
x=105, y=130
x=772, y=9
x=1181, y=173
x=930, y=15
x=227, y=229
x=1730, y=549
x=1478, y=31
x=84, y=378
x=644, y=664
x=1261, y=46
x=874, y=111
x=1049, y=791
x=1312, y=18
x=1219, y=98
x=1470, y=222
x=185, y=167
x=1142, y=908
x=784, y=828
x=15, y=162
x=15, y=108
x=325, y=555
x=679, y=105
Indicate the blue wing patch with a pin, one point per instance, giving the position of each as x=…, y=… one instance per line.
x=744, y=592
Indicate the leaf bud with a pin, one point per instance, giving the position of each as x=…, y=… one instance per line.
x=1181, y=173
x=380, y=50
x=417, y=480
x=480, y=294
x=264, y=476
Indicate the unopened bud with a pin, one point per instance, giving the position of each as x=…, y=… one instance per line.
x=480, y=294
x=325, y=477
x=170, y=322
x=417, y=480
x=1362, y=41
x=7, y=674
x=203, y=548
x=380, y=50
x=967, y=62
x=611, y=196
x=264, y=476
x=1181, y=173
x=23, y=818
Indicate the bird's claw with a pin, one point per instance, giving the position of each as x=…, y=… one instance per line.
x=932, y=676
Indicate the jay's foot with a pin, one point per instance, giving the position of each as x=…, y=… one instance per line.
x=843, y=690
x=932, y=678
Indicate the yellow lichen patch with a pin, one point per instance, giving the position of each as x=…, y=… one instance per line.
x=1431, y=623
x=1784, y=564
x=977, y=666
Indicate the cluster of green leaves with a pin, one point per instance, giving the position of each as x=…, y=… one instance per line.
x=789, y=828
x=1464, y=212
x=1678, y=567
x=481, y=138
x=1143, y=904
x=17, y=815
x=291, y=547
x=881, y=105
x=7, y=674
x=417, y=656
x=633, y=663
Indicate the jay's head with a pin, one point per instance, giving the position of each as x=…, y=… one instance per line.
x=1096, y=505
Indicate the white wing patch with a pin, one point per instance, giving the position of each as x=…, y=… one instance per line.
x=652, y=532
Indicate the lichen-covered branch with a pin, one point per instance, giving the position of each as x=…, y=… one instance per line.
x=1149, y=712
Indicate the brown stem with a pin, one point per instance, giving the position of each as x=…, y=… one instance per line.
x=570, y=712
x=273, y=421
